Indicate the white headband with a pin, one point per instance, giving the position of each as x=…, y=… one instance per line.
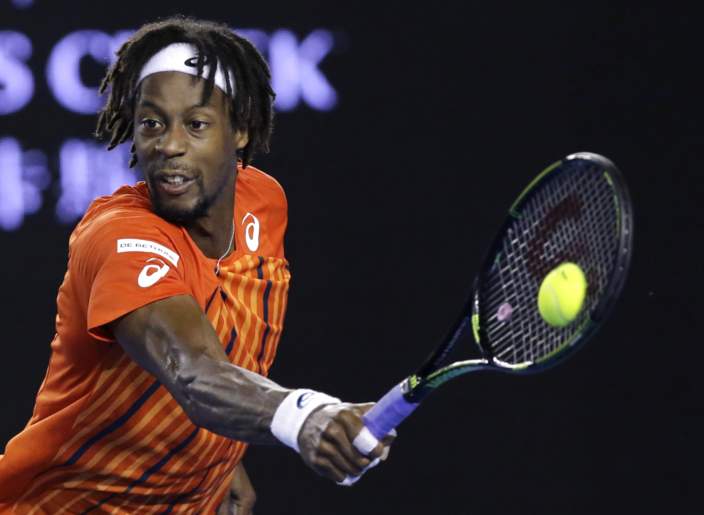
x=183, y=57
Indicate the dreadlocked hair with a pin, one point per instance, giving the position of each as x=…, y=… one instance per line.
x=250, y=107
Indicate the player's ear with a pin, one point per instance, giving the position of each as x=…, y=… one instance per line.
x=241, y=138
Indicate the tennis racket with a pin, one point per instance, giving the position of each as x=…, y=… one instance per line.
x=578, y=210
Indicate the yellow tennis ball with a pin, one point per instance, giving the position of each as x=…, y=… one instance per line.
x=561, y=295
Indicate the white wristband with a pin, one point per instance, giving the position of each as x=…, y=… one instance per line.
x=293, y=412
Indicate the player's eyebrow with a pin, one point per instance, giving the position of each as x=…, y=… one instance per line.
x=146, y=103
x=143, y=103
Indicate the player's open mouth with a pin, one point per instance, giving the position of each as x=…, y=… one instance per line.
x=174, y=184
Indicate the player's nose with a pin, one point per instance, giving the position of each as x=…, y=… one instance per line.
x=172, y=142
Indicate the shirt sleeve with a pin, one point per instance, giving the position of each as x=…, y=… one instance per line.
x=276, y=206
x=125, y=266
x=278, y=222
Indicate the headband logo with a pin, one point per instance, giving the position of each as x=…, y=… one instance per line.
x=193, y=61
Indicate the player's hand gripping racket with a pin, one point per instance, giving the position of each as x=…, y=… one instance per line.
x=577, y=211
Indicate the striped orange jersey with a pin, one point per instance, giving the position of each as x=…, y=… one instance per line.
x=105, y=435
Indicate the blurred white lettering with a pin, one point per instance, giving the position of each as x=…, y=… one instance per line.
x=63, y=70
x=16, y=80
x=88, y=171
x=23, y=176
x=295, y=73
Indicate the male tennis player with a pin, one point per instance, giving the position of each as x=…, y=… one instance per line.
x=173, y=304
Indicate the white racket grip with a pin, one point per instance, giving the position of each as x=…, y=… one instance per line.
x=365, y=442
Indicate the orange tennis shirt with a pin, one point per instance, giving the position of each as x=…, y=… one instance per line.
x=105, y=435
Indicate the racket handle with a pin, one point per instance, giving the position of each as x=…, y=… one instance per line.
x=388, y=413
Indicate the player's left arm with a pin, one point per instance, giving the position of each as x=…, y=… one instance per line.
x=240, y=497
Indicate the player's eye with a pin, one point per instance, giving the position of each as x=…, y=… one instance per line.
x=149, y=123
x=198, y=125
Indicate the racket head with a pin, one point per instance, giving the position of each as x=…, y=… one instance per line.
x=577, y=210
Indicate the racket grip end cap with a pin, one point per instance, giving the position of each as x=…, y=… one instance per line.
x=389, y=412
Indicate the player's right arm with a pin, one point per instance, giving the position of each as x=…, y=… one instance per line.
x=173, y=340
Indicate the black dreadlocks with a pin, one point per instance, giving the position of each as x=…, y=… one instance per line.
x=251, y=106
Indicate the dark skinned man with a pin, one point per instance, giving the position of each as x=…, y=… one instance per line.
x=173, y=304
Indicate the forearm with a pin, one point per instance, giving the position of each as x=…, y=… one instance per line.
x=228, y=400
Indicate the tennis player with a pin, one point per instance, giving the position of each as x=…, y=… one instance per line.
x=173, y=304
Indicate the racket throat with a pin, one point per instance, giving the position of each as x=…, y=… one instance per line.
x=416, y=388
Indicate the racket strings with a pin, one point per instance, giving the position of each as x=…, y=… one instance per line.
x=572, y=217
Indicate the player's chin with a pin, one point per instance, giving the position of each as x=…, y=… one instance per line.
x=179, y=210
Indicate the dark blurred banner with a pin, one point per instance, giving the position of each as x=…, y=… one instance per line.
x=402, y=134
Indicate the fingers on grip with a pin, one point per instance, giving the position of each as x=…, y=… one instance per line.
x=344, y=454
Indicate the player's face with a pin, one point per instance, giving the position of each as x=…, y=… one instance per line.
x=186, y=150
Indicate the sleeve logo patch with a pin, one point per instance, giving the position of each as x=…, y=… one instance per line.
x=151, y=274
x=132, y=245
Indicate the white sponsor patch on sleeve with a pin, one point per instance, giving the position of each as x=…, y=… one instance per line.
x=132, y=245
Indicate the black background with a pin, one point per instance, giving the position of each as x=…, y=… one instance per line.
x=446, y=111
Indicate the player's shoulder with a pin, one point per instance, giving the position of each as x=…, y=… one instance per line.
x=262, y=182
x=127, y=211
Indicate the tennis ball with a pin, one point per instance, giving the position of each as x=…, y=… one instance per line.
x=561, y=295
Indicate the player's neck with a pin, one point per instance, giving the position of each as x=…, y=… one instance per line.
x=213, y=232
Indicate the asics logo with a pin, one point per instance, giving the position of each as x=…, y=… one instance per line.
x=251, y=232
x=303, y=399
x=151, y=274
x=193, y=61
